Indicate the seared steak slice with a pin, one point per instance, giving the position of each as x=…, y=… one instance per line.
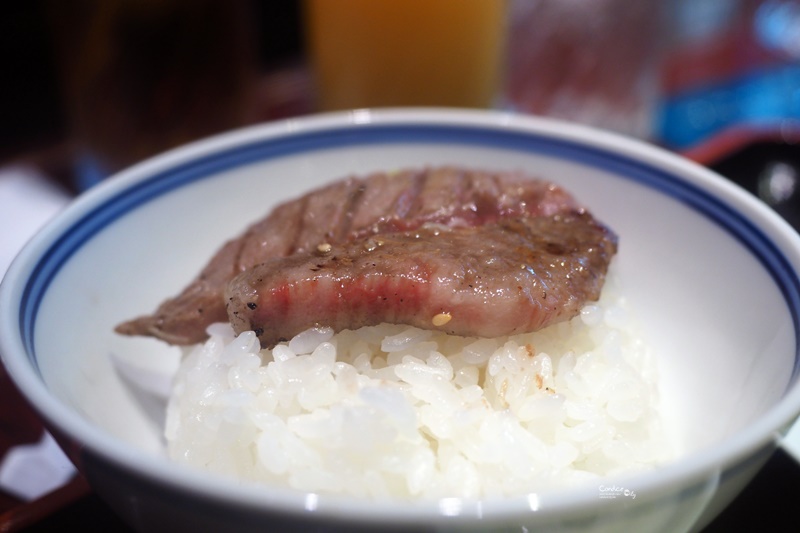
x=503, y=277
x=343, y=212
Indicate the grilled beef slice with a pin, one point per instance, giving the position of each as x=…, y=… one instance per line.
x=499, y=278
x=346, y=214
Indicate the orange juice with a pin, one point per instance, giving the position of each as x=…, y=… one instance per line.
x=371, y=53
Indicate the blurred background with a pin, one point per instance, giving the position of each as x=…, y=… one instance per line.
x=92, y=86
x=98, y=84
x=129, y=78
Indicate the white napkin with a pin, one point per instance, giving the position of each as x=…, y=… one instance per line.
x=27, y=201
x=791, y=442
x=30, y=471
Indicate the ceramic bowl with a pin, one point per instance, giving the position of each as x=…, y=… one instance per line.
x=711, y=272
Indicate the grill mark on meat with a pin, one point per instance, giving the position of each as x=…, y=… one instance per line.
x=428, y=202
x=395, y=197
x=496, y=279
x=376, y=205
x=408, y=202
x=261, y=239
x=322, y=215
x=353, y=201
x=478, y=200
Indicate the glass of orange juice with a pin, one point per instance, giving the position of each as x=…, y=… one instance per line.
x=376, y=53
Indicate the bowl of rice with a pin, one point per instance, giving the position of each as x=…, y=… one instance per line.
x=649, y=410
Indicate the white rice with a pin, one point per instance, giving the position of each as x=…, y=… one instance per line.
x=398, y=412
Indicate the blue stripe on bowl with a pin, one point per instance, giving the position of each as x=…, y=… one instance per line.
x=375, y=134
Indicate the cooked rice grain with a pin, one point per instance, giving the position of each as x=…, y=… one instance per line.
x=398, y=412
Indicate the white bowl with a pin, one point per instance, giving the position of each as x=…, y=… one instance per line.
x=711, y=272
